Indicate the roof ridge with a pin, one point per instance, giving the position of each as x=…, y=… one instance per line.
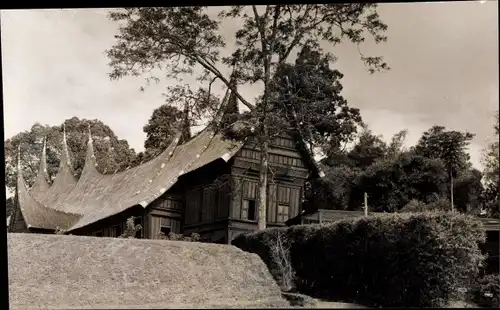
x=90, y=158
x=41, y=185
x=32, y=210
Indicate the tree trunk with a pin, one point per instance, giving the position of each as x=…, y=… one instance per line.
x=264, y=163
x=451, y=191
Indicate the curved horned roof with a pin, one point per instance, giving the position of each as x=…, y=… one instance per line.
x=70, y=204
x=96, y=196
x=37, y=215
x=41, y=185
x=65, y=180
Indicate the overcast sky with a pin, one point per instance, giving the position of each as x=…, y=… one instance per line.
x=444, y=60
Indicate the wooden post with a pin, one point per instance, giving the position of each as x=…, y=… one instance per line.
x=366, y=204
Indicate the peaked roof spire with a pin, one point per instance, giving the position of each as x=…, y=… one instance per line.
x=17, y=222
x=41, y=184
x=230, y=110
x=90, y=160
x=186, y=125
x=65, y=152
x=18, y=160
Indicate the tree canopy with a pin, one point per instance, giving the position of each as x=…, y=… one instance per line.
x=491, y=175
x=112, y=154
x=392, y=183
x=180, y=40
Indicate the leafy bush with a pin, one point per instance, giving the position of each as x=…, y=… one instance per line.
x=440, y=204
x=194, y=237
x=409, y=259
x=131, y=229
x=486, y=291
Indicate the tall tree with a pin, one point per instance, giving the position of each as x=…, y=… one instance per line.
x=112, y=154
x=449, y=146
x=160, y=129
x=396, y=146
x=180, y=39
x=468, y=191
x=306, y=98
x=491, y=161
x=368, y=149
x=392, y=183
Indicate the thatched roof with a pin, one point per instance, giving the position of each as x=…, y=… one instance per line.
x=41, y=185
x=96, y=196
x=70, y=204
x=37, y=215
x=76, y=272
x=64, y=182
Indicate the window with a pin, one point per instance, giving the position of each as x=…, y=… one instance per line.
x=283, y=212
x=138, y=221
x=249, y=210
x=165, y=230
x=283, y=204
x=249, y=203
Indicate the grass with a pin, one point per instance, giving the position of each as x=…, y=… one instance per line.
x=58, y=271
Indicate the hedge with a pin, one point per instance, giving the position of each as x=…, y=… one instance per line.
x=409, y=259
x=486, y=291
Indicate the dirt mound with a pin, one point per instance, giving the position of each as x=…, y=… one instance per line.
x=60, y=271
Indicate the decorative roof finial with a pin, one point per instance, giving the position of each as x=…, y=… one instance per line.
x=19, y=157
x=90, y=132
x=65, y=146
x=43, y=160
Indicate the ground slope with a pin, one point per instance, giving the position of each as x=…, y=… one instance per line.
x=57, y=271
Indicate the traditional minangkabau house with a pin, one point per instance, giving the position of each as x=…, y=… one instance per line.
x=206, y=185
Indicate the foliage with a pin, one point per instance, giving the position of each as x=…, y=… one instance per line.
x=131, y=229
x=369, y=149
x=112, y=154
x=168, y=119
x=440, y=204
x=449, y=146
x=396, y=146
x=333, y=191
x=9, y=206
x=59, y=231
x=391, y=184
x=161, y=129
x=178, y=40
x=305, y=97
x=491, y=175
x=280, y=253
x=468, y=191
x=194, y=237
x=415, y=259
x=486, y=291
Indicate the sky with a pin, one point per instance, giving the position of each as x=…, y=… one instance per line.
x=443, y=59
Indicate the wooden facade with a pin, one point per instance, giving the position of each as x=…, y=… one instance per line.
x=220, y=200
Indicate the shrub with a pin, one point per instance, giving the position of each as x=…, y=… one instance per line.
x=486, y=291
x=262, y=244
x=130, y=229
x=194, y=237
x=409, y=259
